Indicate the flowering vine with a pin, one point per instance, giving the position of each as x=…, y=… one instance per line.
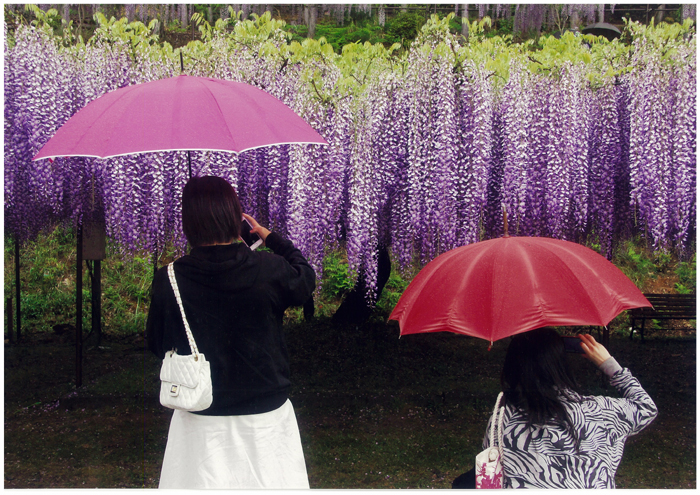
x=425, y=149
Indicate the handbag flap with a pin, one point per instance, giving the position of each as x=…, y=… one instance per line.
x=182, y=370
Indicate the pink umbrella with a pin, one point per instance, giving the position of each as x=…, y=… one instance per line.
x=179, y=113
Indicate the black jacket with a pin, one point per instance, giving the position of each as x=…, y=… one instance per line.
x=234, y=299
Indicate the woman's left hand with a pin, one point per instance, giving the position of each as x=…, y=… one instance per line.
x=257, y=228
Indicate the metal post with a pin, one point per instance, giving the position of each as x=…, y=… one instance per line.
x=97, y=301
x=10, y=330
x=79, y=310
x=182, y=71
x=17, y=288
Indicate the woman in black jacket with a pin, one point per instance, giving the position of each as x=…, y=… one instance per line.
x=234, y=299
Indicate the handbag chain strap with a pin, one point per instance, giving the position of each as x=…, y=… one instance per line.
x=190, y=338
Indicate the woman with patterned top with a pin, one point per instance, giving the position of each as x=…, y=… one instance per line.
x=554, y=437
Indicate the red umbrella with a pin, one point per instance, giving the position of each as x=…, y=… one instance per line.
x=501, y=287
x=179, y=113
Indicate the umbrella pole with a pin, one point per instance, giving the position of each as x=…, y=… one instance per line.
x=79, y=309
x=189, y=163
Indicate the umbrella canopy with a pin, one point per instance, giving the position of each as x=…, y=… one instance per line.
x=602, y=29
x=179, y=113
x=501, y=287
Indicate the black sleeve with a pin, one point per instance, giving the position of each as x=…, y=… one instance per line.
x=299, y=278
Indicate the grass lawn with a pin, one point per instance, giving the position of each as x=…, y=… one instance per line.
x=374, y=411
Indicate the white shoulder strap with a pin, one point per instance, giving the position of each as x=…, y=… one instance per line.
x=497, y=418
x=190, y=338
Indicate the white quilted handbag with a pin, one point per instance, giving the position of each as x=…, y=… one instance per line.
x=185, y=381
x=489, y=462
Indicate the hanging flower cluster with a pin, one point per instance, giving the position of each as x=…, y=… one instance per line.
x=425, y=151
x=662, y=142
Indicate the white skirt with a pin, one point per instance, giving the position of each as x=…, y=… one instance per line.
x=253, y=451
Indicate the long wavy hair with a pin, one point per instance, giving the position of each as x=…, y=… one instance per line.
x=536, y=377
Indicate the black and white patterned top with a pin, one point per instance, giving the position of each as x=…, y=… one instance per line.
x=546, y=457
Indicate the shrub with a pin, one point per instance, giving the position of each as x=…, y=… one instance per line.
x=336, y=280
x=687, y=277
x=404, y=27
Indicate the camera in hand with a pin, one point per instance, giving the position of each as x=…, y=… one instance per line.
x=573, y=344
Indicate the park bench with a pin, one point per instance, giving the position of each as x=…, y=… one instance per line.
x=665, y=307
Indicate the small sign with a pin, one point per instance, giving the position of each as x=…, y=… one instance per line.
x=94, y=240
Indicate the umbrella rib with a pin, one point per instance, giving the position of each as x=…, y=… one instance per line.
x=221, y=111
x=577, y=280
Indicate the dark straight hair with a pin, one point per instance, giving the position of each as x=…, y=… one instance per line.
x=536, y=376
x=211, y=212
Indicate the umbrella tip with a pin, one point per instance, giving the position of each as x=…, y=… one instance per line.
x=490, y=345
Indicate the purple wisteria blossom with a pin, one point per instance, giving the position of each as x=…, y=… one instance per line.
x=605, y=156
x=517, y=113
x=682, y=199
x=474, y=161
x=425, y=149
x=567, y=172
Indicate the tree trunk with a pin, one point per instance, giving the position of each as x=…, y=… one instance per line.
x=404, y=7
x=465, y=17
x=78, y=30
x=660, y=14
x=183, y=15
x=312, y=12
x=130, y=12
x=575, y=21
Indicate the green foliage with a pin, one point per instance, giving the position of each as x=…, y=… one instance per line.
x=336, y=280
x=392, y=292
x=126, y=293
x=47, y=274
x=636, y=264
x=51, y=23
x=340, y=36
x=404, y=28
x=359, y=63
x=687, y=275
x=642, y=265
